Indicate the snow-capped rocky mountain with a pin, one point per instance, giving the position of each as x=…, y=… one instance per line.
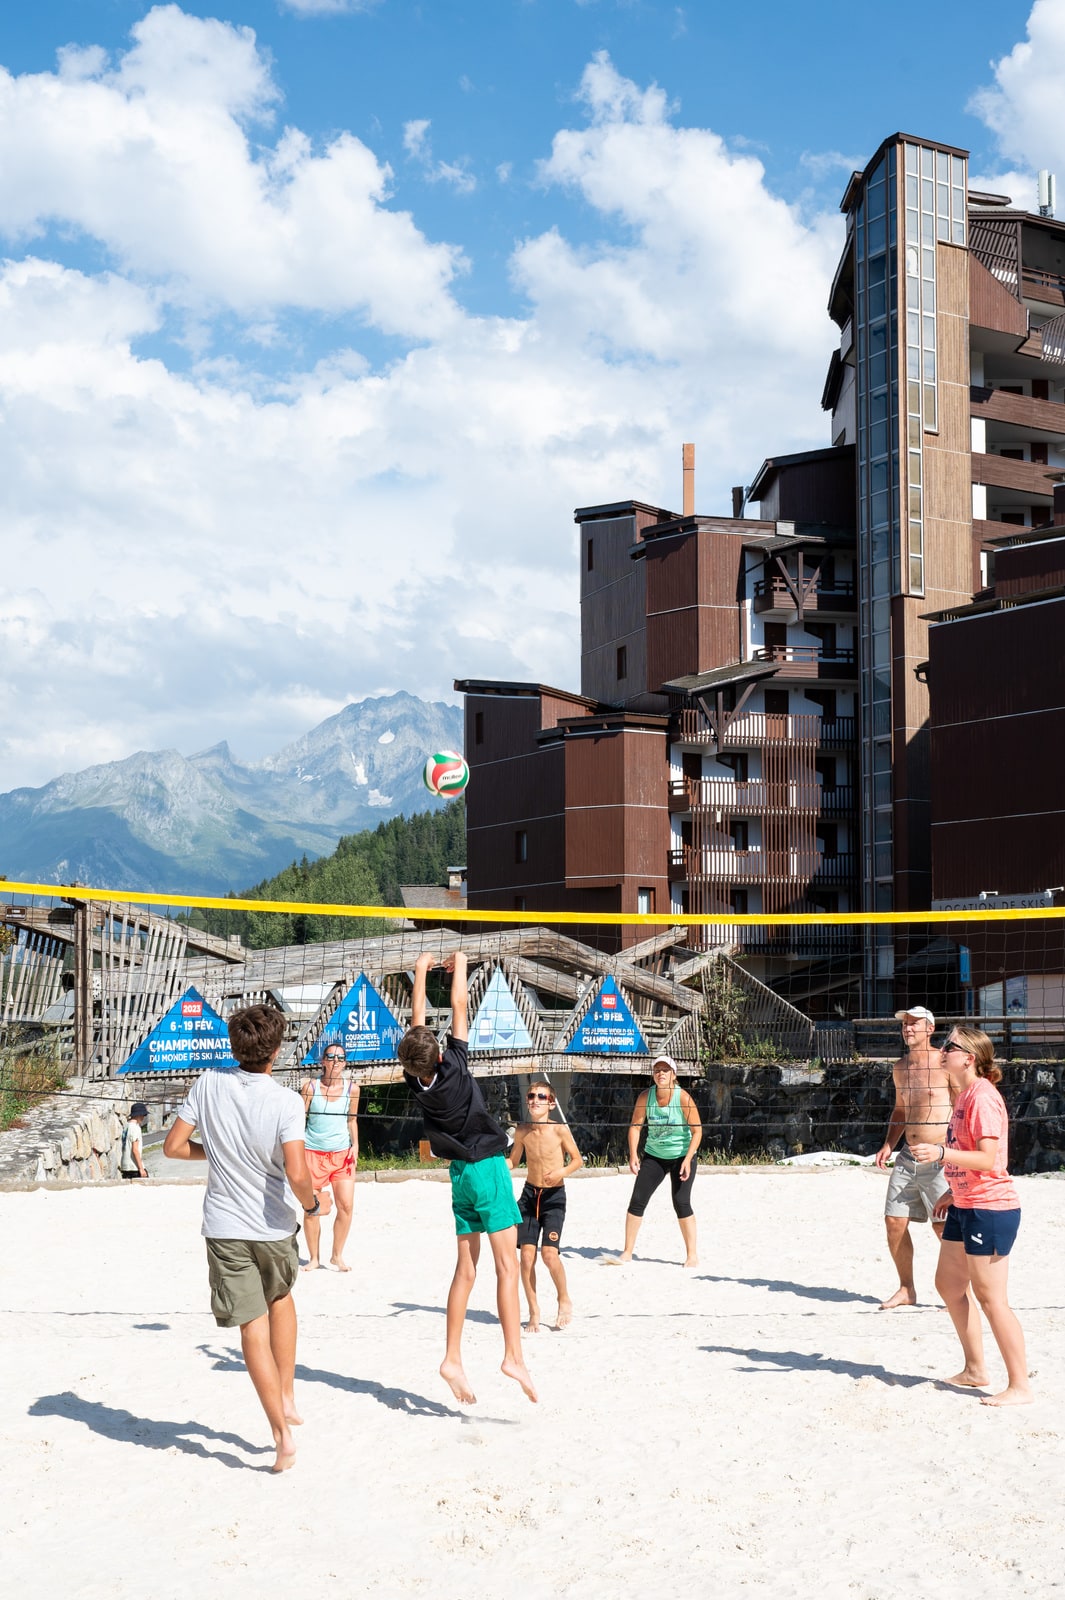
x=208, y=823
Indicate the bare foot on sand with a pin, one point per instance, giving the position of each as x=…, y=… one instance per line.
x=565, y=1314
x=901, y=1297
x=533, y=1324
x=1008, y=1397
x=456, y=1380
x=692, y=1261
x=310, y=1266
x=621, y=1260
x=968, y=1380
x=520, y=1373
x=338, y=1264
x=292, y=1416
x=286, y=1451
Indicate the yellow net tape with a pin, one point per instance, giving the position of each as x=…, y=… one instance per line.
x=615, y=919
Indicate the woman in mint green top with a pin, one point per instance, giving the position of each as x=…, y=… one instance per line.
x=674, y=1130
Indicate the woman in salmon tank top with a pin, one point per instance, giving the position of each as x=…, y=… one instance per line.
x=982, y=1214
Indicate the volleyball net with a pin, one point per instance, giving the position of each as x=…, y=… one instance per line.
x=784, y=1027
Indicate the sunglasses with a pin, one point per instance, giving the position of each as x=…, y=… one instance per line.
x=955, y=1044
x=537, y=1097
x=335, y=1056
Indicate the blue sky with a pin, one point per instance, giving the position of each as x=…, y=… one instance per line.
x=317, y=321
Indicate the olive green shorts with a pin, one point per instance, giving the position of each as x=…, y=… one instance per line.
x=482, y=1196
x=247, y=1275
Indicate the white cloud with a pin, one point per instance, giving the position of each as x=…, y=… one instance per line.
x=1023, y=106
x=417, y=144
x=218, y=553
x=153, y=159
x=327, y=8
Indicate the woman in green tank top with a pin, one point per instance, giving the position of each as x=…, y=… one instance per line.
x=674, y=1130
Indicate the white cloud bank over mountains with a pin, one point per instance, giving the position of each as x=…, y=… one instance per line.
x=213, y=551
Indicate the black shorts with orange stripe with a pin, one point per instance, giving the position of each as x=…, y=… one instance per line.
x=543, y=1212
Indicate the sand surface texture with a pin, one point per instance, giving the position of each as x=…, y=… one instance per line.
x=756, y=1426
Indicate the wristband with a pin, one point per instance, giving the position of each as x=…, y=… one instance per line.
x=312, y=1211
x=942, y=1153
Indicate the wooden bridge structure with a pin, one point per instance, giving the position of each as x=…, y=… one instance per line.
x=105, y=972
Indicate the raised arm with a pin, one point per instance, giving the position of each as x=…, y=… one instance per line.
x=417, y=999
x=459, y=995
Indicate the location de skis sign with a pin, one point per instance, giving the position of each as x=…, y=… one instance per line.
x=191, y=1035
x=363, y=1024
x=609, y=1027
x=499, y=1025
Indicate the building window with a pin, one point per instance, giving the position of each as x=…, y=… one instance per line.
x=478, y=727
x=521, y=845
x=590, y=549
x=739, y=833
x=737, y=902
x=776, y=702
x=645, y=902
x=623, y=661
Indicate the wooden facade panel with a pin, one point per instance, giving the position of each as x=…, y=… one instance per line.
x=1042, y=416
x=1021, y=568
x=1023, y=778
x=508, y=724
x=1001, y=665
x=1002, y=472
x=991, y=305
x=1019, y=858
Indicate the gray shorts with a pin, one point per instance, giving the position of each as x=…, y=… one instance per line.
x=914, y=1187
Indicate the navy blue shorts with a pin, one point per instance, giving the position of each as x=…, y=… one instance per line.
x=983, y=1233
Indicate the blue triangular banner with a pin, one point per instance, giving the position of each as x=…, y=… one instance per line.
x=609, y=1027
x=499, y=1025
x=363, y=1024
x=192, y=1034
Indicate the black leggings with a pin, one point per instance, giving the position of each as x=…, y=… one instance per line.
x=653, y=1171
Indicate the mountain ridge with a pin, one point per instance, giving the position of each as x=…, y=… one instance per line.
x=209, y=823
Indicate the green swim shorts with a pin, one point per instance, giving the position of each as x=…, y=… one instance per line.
x=482, y=1196
x=247, y=1275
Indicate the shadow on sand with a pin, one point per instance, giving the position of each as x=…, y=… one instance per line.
x=796, y=1361
x=807, y=1291
x=148, y=1432
x=402, y=1400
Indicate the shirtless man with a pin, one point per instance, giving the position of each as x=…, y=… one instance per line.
x=551, y=1156
x=922, y=1113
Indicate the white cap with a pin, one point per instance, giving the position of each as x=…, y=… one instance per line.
x=921, y=1012
x=669, y=1062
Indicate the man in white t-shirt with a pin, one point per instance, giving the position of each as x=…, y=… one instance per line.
x=251, y=1136
x=131, y=1157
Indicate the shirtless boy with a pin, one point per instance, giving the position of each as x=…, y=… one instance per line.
x=551, y=1156
x=922, y=1113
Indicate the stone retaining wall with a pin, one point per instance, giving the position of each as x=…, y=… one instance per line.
x=71, y=1138
x=780, y=1109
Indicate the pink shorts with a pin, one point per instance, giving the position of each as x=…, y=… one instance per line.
x=325, y=1166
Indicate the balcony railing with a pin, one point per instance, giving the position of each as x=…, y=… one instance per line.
x=773, y=594
x=809, y=660
x=755, y=797
x=752, y=729
x=762, y=866
x=804, y=941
